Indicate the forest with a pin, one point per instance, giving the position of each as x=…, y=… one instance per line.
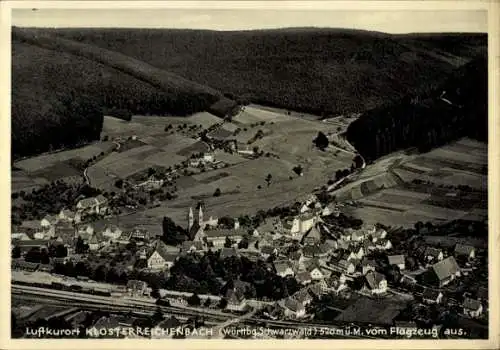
x=458, y=108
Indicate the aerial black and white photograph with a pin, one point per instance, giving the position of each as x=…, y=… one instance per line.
x=237, y=173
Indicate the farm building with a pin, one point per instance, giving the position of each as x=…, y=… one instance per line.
x=431, y=296
x=160, y=257
x=463, y=250
x=398, y=260
x=443, y=272
x=375, y=282
x=472, y=308
x=283, y=268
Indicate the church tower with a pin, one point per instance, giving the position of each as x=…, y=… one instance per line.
x=200, y=217
x=190, y=219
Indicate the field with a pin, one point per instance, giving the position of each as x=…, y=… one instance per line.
x=46, y=168
x=453, y=185
x=239, y=182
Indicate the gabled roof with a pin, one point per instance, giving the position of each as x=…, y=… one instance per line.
x=445, y=268
x=373, y=279
x=186, y=245
x=293, y=305
x=313, y=233
x=471, y=304
x=396, y=259
x=344, y=264
x=303, y=276
x=295, y=255
x=281, y=266
x=464, y=249
x=228, y=252
x=50, y=218
x=100, y=199
x=358, y=234
x=68, y=213
x=162, y=249
x=235, y=296
x=431, y=251
x=430, y=294
x=302, y=296
x=87, y=202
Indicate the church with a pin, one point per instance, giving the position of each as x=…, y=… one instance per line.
x=196, y=227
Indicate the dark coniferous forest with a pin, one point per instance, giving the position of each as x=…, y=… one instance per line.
x=456, y=109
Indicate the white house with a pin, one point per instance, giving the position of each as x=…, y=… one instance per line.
x=283, y=268
x=293, y=309
x=431, y=296
x=398, y=260
x=113, y=232
x=376, y=282
x=301, y=224
x=472, y=308
x=160, y=257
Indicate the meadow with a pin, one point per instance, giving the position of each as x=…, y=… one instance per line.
x=444, y=184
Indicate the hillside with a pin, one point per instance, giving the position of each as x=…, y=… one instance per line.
x=179, y=72
x=458, y=108
x=48, y=73
x=328, y=71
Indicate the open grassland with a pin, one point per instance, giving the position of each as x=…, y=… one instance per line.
x=386, y=191
x=242, y=182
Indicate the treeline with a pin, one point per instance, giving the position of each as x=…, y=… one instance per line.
x=457, y=109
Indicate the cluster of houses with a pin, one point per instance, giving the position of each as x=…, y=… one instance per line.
x=304, y=247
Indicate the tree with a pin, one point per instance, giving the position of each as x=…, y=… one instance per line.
x=321, y=141
x=61, y=251
x=80, y=246
x=155, y=292
x=207, y=302
x=268, y=179
x=223, y=303
x=228, y=243
x=158, y=315
x=243, y=244
x=298, y=170
x=119, y=183
x=217, y=192
x=194, y=300
x=16, y=252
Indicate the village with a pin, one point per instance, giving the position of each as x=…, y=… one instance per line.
x=315, y=264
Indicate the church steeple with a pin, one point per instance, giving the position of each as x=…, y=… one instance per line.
x=200, y=217
x=190, y=219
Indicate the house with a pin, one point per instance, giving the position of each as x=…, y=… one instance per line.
x=378, y=235
x=191, y=246
x=94, y=243
x=136, y=287
x=140, y=234
x=369, y=229
x=356, y=252
x=314, y=269
x=66, y=234
x=301, y=224
x=160, y=257
x=48, y=224
x=25, y=246
x=112, y=232
x=367, y=265
x=369, y=246
x=303, y=296
x=383, y=244
x=346, y=266
x=398, y=260
x=358, y=236
x=346, y=235
x=432, y=296
x=303, y=277
x=313, y=236
x=443, y=272
x=66, y=215
x=315, y=251
x=293, y=309
x=124, y=237
x=331, y=243
x=235, y=300
x=464, y=250
x=21, y=236
x=432, y=254
x=268, y=250
x=375, y=282
x=228, y=252
x=218, y=237
x=85, y=231
x=317, y=289
x=472, y=308
x=283, y=268
x=342, y=244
